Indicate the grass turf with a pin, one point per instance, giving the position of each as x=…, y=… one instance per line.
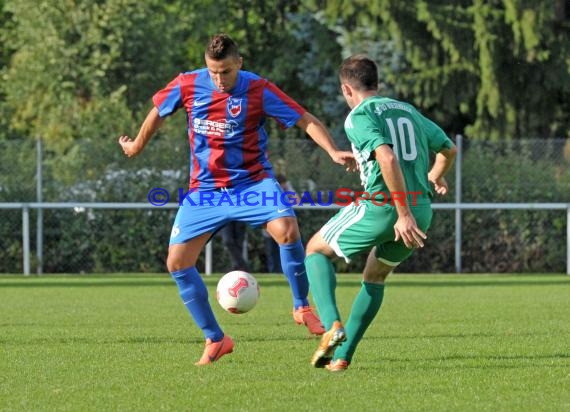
x=71, y=343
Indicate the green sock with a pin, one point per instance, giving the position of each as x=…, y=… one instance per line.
x=364, y=310
x=322, y=281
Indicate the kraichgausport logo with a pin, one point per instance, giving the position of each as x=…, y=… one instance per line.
x=159, y=196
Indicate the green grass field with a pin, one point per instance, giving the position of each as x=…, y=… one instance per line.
x=442, y=343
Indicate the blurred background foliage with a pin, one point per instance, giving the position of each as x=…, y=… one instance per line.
x=78, y=74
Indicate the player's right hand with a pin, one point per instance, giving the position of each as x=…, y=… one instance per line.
x=408, y=231
x=128, y=145
x=440, y=186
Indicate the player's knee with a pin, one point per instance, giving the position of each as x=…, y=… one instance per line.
x=378, y=274
x=312, y=247
x=284, y=230
x=376, y=277
x=171, y=265
x=288, y=237
x=175, y=262
x=318, y=245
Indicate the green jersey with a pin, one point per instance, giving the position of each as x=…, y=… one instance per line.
x=379, y=120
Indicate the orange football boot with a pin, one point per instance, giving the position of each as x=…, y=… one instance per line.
x=306, y=316
x=329, y=342
x=215, y=350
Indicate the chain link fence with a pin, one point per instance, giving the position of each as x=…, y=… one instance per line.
x=88, y=240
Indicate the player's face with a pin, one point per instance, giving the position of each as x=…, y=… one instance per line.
x=224, y=72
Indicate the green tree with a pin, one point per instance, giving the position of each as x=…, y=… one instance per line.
x=76, y=69
x=491, y=69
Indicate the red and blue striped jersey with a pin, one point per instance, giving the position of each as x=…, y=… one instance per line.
x=228, y=143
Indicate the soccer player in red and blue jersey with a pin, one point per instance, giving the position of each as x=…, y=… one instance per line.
x=226, y=109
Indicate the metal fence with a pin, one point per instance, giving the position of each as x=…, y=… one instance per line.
x=508, y=209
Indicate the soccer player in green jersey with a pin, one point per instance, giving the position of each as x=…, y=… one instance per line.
x=391, y=142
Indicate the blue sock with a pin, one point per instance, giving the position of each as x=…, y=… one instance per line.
x=195, y=297
x=292, y=263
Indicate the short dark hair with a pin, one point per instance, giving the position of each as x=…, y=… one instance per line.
x=360, y=72
x=221, y=46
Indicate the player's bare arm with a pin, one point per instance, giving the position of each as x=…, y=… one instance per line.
x=405, y=227
x=147, y=130
x=443, y=162
x=314, y=128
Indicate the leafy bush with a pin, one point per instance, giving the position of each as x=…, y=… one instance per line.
x=136, y=240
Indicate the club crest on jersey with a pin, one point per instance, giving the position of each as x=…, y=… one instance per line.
x=234, y=106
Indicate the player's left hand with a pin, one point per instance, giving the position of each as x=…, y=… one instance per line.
x=346, y=159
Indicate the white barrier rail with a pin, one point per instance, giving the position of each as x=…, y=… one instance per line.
x=458, y=207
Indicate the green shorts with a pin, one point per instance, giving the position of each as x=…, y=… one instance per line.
x=358, y=228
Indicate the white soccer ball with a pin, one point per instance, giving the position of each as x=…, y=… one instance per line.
x=237, y=292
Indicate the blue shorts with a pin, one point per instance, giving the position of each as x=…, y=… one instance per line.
x=207, y=211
